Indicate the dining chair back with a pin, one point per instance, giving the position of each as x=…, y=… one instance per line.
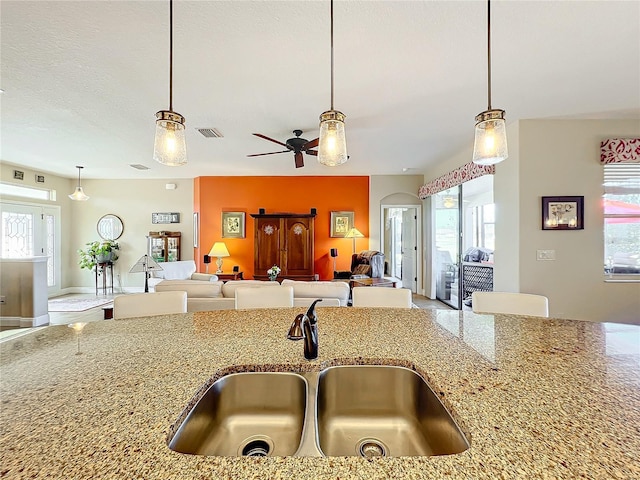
x=384, y=297
x=263, y=297
x=149, y=304
x=514, y=303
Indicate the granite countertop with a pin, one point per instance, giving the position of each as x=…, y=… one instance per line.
x=538, y=398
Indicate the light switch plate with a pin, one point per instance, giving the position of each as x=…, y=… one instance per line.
x=545, y=255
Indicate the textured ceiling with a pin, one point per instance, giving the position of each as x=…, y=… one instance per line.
x=84, y=79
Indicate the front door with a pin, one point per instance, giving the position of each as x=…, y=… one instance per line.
x=30, y=230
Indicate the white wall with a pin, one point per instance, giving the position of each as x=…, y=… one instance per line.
x=133, y=201
x=558, y=158
x=555, y=158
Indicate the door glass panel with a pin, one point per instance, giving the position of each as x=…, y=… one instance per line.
x=447, y=246
x=17, y=235
x=50, y=249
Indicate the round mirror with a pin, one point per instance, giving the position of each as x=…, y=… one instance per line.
x=110, y=227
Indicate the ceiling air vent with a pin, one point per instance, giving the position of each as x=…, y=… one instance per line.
x=210, y=132
x=137, y=166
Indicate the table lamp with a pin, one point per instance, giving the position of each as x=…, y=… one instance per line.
x=219, y=250
x=354, y=233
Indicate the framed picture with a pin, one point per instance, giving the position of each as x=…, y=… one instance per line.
x=168, y=217
x=341, y=223
x=232, y=224
x=562, y=213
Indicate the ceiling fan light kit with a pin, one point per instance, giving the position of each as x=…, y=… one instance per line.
x=332, y=146
x=170, y=147
x=490, y=143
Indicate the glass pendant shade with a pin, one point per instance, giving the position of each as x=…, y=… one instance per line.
x=170, y=146
x=78, y=195
x=332, y=143
x=490, y=145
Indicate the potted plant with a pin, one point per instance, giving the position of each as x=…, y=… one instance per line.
x=98, y=252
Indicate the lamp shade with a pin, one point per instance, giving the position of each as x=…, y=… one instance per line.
x=170, y=147
x=490, y=145
x=332, y=141
x=79, y=195
x=354, y=233
x=219, y=249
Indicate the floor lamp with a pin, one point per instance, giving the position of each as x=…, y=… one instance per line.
x=146, y=264
x=354, y=233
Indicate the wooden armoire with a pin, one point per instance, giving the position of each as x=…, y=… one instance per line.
x=285, y=240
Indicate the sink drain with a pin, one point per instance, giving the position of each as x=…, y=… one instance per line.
x=370, y=448
x=257, y=446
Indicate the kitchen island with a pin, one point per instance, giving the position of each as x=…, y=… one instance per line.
x=537, y=398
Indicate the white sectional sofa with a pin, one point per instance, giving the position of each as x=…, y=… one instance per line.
x=205, y=296
x=180, y=270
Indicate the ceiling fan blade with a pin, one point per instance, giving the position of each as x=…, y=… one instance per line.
x=299, y=160
x=312, y=152
x=311, y=144
x=271, y=139
x=270, y=153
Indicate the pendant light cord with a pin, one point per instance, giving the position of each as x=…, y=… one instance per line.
x=489, y=53
x=331, y=54
x=171, y=55
x=79, y=169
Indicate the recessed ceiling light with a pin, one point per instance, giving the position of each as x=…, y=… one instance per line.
x=137, y=166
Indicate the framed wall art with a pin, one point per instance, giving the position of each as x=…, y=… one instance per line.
x=562, y=213
x=232, y=224
x=341, y=223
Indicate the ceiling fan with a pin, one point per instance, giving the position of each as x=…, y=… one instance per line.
x=296, y=145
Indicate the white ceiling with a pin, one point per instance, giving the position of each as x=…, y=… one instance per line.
x=82, y=80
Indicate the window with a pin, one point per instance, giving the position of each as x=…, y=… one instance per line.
x=26, y=192
x=621, y=205
x=484, y=226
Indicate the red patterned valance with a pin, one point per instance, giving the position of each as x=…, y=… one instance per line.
x=620, y=150
x=455, y=177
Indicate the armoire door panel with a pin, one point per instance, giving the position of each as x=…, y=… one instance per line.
x=285, y=240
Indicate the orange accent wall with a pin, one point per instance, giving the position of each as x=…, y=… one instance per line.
x=213, y=195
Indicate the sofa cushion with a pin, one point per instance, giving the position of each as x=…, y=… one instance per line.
x=229, y=288
x=207, y=277
x=180, y=270
x=302, y=289
x=194, y=288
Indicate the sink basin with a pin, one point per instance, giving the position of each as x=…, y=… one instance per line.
x=254, y=414
x=373, y=410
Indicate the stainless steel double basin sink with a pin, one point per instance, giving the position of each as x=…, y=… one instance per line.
x=349, y=410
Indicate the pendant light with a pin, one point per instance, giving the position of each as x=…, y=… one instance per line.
x=170, y=147
x=78, y=195
x=490, y=145
x=332, y=143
